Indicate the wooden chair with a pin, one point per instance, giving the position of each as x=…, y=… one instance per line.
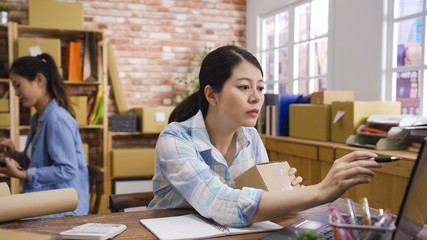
x=96, y=181
x=118, y=202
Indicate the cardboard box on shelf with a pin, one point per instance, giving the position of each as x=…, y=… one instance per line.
x=346, y=117
x=329, y=96
x=4, y=119
x=153, y=119
x=272, y=176
x=4, y=105
x=80, y=108
x=55, y=14
x=52, y=46
x=132, y=162
x=310, y=121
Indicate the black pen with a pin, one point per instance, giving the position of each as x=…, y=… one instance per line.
x=381, y=159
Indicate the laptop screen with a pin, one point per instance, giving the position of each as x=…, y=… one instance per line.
x=413, y=210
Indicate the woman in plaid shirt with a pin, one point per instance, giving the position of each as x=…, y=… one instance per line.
x=211, y=139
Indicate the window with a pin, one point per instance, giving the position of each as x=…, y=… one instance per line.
x=294, y=48
x=407, y=64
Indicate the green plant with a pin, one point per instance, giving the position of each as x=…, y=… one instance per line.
x=307, y=235
x=191, y=80
x=4, y=7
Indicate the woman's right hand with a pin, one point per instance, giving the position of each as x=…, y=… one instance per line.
x=7, y=147
x=347, y=172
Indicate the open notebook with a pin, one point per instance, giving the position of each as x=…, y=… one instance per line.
x=194, y=226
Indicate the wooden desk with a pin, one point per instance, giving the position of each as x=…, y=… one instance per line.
x=135, y=230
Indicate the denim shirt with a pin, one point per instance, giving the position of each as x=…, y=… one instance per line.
x=191, y=172
x=57, y=157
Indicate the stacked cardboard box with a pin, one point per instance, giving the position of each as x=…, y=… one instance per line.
x=132, y=162
x=313, y=121
x=152, y=120
x=348, y=116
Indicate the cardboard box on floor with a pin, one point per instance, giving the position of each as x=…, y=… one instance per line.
x=272, y=176
x=310, y=121
x=153, y=119
x=346, y=117
x=329, y=96
x=55, y=14
x=132, y=162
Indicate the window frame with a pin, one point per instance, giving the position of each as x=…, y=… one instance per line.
x=389, y=89
x=291, y=45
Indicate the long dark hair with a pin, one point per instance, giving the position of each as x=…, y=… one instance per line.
x=44, y=64
x=216, y=68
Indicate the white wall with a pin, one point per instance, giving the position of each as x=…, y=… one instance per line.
x=355, y=48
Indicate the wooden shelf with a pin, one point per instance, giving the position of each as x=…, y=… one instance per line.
x=27, y=127
x=88, y=83
x=62, y=32
x=4, y=80
x=132, y=134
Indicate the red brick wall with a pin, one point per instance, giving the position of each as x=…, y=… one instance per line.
x=156, y=41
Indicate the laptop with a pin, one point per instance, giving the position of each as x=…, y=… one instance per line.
x=410, y=219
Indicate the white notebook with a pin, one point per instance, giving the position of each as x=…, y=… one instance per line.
x=194, y=226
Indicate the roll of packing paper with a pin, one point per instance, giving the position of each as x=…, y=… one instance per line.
x=36, y=204
x=4, y=189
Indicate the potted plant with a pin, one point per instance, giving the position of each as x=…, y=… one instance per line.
x=307, y=235
x=4, y=13
x=191, y=81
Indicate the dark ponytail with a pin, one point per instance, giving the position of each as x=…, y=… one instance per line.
x=217, y=67
x=44, y=64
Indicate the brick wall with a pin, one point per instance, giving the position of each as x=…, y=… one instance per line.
x=156, y=41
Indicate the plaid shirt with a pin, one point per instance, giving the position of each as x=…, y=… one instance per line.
x=191, y=172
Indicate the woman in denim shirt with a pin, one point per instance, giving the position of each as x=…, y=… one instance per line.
x=53, y=157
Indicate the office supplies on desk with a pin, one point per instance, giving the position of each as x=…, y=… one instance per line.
x=94, y=231
x=381, y=159
x=409, y=223
x=194, y=226
x=366, y=214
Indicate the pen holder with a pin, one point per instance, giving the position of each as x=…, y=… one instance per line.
x=363, y=232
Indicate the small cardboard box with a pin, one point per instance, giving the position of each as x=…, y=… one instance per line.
x=4, y=119
x=346, y=117
x=153, y=119
x=55, y=14
x=133, y=162
x=327, y=97
x=310, y=121
x=52, y=46
x=80, y=107
x=272, y=176
x=4, y=105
